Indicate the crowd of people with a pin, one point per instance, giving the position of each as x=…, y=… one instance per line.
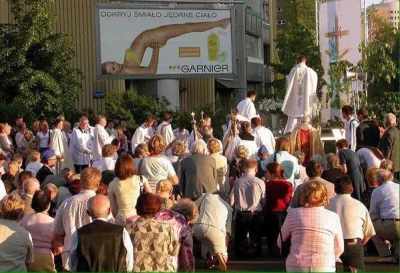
x=83, y=198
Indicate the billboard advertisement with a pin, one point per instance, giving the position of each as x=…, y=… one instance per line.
x=339, y=38
x=139, y=42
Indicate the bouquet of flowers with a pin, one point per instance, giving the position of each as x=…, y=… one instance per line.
x=270, y=105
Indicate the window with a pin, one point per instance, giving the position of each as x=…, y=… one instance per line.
x=253, y=46
x=391, y=11
x=281, y=22
x=391, y=18
x=279, y=9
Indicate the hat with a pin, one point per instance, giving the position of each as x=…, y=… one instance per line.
x=263, y=150
x=48, y=154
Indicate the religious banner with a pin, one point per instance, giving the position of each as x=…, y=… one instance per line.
x=339, y=38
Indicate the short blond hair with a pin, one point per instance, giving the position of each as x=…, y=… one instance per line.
x=13, y=166
x=313, y=194
x=35, y=155
x=178, y=148
x=164, y=186
x=90, y=178
x=12, y=207
x=242, y=152
x=213, y=145
x=108, y=150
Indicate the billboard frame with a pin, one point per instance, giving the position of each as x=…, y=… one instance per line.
x=125, y=5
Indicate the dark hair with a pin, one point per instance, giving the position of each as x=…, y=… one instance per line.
x=102, y=190
x=115, y=142
x=148, y=205
x=342, y=143
x=167, y=116
x=40, y=201
x=301, y=58
x=314, y=169
x=125, y=166
x=251, y=93
x=246, y=126
x=23, y=176
x=276, y=169
x=343, y=185
x=256, y=121
x=363, y=112
x=282, y=144
x=348, y=110
x=58, y=121
x=3, y=156
x=107, y=176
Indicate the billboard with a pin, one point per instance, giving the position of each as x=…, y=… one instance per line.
x=339, y=38
x=157, y=42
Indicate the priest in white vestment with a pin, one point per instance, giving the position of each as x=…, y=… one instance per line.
x=100, y=137
x=143, y=133
x=165, y=129
x=263, y=135
x=81, y=145
x=301, y=94
x=246, y=107
x=59, y=143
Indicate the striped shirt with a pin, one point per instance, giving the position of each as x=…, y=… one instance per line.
x=316, y=237
x=71, y=215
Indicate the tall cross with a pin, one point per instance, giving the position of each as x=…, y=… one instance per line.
x=337, y=34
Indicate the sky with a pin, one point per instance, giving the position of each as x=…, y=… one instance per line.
x=369, y=2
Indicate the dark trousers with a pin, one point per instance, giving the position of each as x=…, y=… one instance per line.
x=248, y=223
x=353, y=256
x=273, y=223
x=79, y=168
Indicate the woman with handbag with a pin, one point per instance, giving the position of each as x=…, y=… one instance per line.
x=315, y=233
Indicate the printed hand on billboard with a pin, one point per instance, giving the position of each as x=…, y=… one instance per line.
x=155, y=39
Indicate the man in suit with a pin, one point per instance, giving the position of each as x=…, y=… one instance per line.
x=389, y=143
x=49, y=160
x=101, y=246
x=30, y=186
x=367, y=133
x=198, y=173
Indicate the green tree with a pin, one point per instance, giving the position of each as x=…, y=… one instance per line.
x=35, y=62
x=380, y=63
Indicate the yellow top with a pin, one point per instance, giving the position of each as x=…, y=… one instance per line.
x=131, y=56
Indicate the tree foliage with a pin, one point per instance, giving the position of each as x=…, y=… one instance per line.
x=35, y=62
x=380, y=62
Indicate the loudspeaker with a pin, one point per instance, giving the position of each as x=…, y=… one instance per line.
x=350, y=75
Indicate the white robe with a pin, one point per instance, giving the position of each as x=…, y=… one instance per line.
x=165, y=129
x=141, y=135
x=81, y=147
x=350, y=132
x=301, y=94
x=247, y=109
x=251, y=145
x=105, y=164
x=264, y=137
x=100, y=138
x=59, y=143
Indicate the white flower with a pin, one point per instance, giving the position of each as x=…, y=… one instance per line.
x=269, y=104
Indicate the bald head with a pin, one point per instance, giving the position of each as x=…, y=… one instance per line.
x=384, y=176
x=31, y=185
x=98, y=206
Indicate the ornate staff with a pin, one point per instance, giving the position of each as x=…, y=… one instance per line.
x=193, y=126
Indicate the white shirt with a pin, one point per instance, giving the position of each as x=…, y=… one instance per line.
x=81, y=146
x=181, y=135
x=101, y=138
x=368, y=157
x=385, y=202
x=350, y=132
x=354, y=216
x=2, y=190
x=247, y=109
x=33, y=167
x=126, y=241
x=105, y=164
x=265, y=137
x=141, y=134
x=165, y=129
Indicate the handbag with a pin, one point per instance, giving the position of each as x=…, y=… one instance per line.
x=285, y=246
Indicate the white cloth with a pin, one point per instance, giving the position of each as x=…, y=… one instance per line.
x=59, y=144
x=2, y=190
x=247, y=109
x=385, y=202
x=100, y=138
x=81, y=146
x=142, y=134
x=165, y=129
x=181, y=135
x=301, y=94
x=368, y=157
x=354, y=216
x=264, y=137
x=34, y=167
x=104, y=164
x=350, y=132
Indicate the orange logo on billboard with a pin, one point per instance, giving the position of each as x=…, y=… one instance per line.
x=189, y=52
